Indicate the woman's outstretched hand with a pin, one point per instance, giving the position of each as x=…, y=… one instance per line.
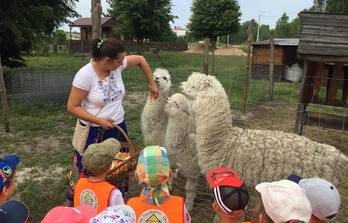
x=154, y=92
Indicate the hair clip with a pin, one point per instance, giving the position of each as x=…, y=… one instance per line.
x=99, y=43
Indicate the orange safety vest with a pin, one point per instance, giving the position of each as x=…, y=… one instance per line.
x=95, y=194
x=170, y=211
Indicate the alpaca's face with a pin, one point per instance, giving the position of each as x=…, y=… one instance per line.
x=177, y=104
x=162, y=78
x=196, y=83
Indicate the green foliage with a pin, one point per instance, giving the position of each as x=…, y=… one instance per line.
x=142, y=19
x=213, y=18
x=286, y=29
x=25, y=22
x=58, y=37
x=333, y=6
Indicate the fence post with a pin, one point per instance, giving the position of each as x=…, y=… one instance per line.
x=4, y=99
x=271, y=67
x=248, y=73
x=206, y=56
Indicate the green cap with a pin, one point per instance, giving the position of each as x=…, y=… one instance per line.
x=98, y=156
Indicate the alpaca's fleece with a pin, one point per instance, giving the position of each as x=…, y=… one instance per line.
x=179, y=141
x=153, y=117
x=257, y=155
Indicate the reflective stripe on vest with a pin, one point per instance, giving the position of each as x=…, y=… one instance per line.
x=95, y=194
x=170, y=211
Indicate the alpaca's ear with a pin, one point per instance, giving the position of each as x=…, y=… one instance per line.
x=187, y=110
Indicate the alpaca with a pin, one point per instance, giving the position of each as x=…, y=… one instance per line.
x=257, y=155
x=179, y=141
x=153, y=117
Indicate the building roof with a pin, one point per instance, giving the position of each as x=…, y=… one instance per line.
x=324, y=34
x=105, y=22
x=179, y=28
x=278, y=42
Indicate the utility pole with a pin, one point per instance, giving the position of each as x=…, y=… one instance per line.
x=258, y=29
x=96, y=18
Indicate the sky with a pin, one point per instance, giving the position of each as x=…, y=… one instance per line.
x=269, y=10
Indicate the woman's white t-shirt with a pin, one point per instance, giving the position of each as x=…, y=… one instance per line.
x=105, y=97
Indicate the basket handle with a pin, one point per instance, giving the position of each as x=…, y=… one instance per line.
x=124, y=134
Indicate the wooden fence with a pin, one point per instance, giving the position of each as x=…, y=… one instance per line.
x=84, y=46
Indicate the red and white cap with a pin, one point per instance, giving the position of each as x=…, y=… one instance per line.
x=229, y=190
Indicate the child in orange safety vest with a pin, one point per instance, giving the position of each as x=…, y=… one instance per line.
x=94, y=190
x=155, y=204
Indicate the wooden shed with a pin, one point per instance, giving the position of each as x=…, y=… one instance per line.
x=285, y=53
x=323, y=46
x=85, y=25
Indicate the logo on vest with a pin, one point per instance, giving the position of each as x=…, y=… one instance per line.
x=88, y=197
x=153, y=216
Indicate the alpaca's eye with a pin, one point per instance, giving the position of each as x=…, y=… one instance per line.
x=164, y=78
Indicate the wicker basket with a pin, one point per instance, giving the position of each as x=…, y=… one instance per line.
x=123, y=168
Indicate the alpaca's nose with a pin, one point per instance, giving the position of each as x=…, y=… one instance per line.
x=166, y=100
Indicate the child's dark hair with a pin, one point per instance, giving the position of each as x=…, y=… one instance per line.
x=106, y=48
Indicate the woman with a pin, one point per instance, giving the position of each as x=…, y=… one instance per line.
x=98, y=91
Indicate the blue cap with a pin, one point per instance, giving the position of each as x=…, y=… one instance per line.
x=13, y=212
x=7, y=165
x=295, y=178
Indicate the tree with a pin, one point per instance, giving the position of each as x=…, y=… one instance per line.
x=24, y=22
x=333, y=6
x=264, y=32
x=58, y=37
x=242, y=35
x=213, y=18
x=282, y=28
x=142, y=19
x=286, y=29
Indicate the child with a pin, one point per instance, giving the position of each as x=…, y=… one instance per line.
x=323, y=196
x=282, y=201
x=115, y=214
x=94, y=190
x=155, y=204
x=61, y=214
x=10, y=211
x=230, y=194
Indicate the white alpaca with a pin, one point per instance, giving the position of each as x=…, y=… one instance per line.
x=257, y=155
x=179, y=141
x=153, y=117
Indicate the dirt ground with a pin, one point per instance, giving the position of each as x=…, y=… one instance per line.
x=230, y=51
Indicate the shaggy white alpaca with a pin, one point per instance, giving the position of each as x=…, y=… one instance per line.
x=257, y=155
x=153, y=117
x=179, y=141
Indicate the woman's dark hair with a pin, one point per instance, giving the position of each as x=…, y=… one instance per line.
x=106, y=48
